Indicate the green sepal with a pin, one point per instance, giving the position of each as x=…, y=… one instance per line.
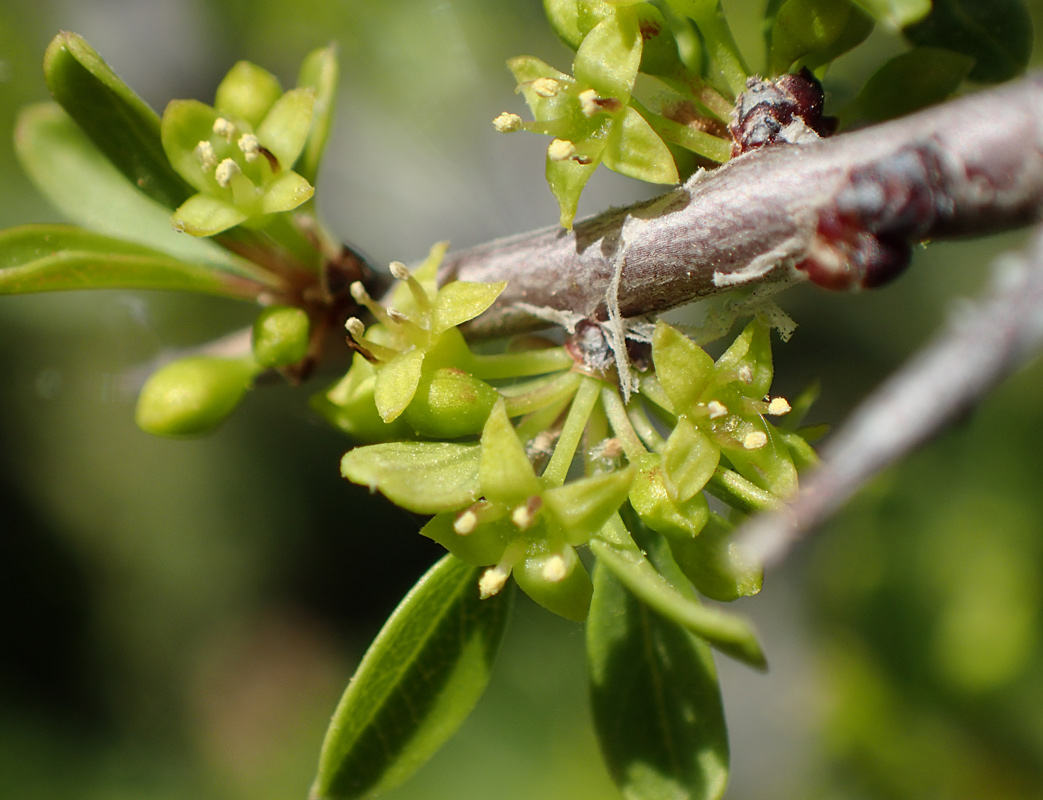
x=610, y=54
x=568, y=597
x=460, y=301
x=655, y=696
x=280, y=336
x=583, y=506
x=566, y=180
x=505, y=472
x=684, y=369
x=119, y=122
x=482, y=547
x=247, y=92
x=416, y=684
x=617, y=552
x=284, y=130
x=711, y=562
x=51, y=258
x=193, y=395
x=689, y=460
x=320, y=72
x=423, y=477
x=770, y=466
x=652, y=502
x=996, y=33
x=205, y=215
x=747, y=361
x=449, y=403
x=634, y=149
x=349, y=406
x=396, y=383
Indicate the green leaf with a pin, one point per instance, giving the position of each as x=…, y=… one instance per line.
x=618, y=553
x=119, y=122
x=423, y=477
x=52, y=258
x=319, y=72
x=910, y=81
x=655, y=698
x=634, y=149
x=709, y=561
x=85, y=187
x=996, y=33
x=803, y=27
x=897, y=13
x=415, y=686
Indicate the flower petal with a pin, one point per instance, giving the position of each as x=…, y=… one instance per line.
x=396, y=384
x=185, y=124
x=286, y=192
x=247, y=93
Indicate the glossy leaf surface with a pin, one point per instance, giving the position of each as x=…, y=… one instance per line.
x=52, y=258
x=996, y=33
x=730, y=634
x=120, y=123
x=655, y=697
x=416, y=684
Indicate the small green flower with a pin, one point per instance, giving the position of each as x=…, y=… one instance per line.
x=239, y=153
x=525, y=526
x=416, y=336
x=721, y=409
x=589, y=115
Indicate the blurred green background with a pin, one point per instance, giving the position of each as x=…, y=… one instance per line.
x=179, y=618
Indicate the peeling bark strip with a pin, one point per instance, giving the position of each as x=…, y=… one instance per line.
x=845, y=209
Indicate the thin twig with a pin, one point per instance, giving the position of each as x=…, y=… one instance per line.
x=981, y=346
x=970, y=166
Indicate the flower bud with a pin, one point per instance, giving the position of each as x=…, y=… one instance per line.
x=192, y=395
x=280, y=336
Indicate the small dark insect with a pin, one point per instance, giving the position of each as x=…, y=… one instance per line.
x=766, y=111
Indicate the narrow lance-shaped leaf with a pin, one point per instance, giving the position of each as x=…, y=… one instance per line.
x=416, y=684
x=655, y=696
x=120, y=123
x=616, y=550
x=52, y=258
x=78, y=180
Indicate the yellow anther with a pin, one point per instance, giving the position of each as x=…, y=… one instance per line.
x=561, y=150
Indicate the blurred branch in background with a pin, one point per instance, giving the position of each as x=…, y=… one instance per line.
x=982, y=345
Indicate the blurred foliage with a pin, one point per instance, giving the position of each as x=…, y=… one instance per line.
x=181, y=617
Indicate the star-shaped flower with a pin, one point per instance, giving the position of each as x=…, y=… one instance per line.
x=240, y=152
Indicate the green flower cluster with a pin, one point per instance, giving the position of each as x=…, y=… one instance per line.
x=490, y=445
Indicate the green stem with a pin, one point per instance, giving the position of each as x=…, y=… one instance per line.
x=645, y=429
x=730, y=487
x=533, y=395
x=576, y=422
x=621, y=424
x=523, y=364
